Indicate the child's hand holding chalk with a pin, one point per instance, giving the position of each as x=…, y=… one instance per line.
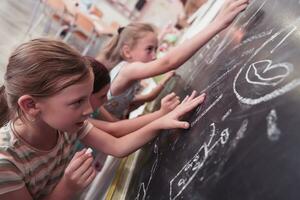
x=89, y=151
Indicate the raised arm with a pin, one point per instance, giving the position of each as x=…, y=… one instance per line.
x=181, y=53
x=140, y=99
x=125, y=145
x=124, y=127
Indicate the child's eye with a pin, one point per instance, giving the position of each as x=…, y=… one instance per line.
x=78, y=103
x=150, y=49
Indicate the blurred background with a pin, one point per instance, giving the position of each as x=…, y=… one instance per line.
x=88, y=24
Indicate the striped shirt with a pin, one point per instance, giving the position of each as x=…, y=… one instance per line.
x=39, y=171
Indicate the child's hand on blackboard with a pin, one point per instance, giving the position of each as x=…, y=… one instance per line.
x=171, y=120
x=229, y=11
x=169, y=103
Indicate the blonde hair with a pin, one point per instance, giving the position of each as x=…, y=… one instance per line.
x=129, y=35
x=40, y=68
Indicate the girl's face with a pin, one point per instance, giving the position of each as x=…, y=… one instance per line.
x=98, y=98
x=145, y=48
x=68, y=109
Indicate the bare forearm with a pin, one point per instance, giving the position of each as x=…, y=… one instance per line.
x=131, y=142
x=60, y=193
x=123, y=146
x=124, y=127
x=142, y=98
x=179, y=54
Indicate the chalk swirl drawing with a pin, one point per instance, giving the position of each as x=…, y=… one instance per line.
x=264, y=79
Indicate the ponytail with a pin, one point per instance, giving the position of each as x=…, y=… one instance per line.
x=111, y=54
x=4, y=111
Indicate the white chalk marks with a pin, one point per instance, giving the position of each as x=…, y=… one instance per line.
x=256, y=72
x=206, y=110
x=293, y=29
x=265, y=80
x=273, y=131
x=226, y=114
x=143, y=188
x=192, y=167
x=262, y=80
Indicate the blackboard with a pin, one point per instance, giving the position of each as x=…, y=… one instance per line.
x=244, y=141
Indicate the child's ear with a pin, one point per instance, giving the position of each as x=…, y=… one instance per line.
x=126, y=52
x=28, y=105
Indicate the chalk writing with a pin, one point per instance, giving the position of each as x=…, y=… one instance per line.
x=190, y=170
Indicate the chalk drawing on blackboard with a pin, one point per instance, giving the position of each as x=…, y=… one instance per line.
x=293, y=29
x=206, y=110
x=247, y=52
x=221, y=77
x=231, y=36
x=257, y=14
x=188, y=172
x=256, y=76
x=143, y=189
x=282, y=35
x=273, y=131
x=226, y=114
x=240, y=133
x=254, y=38
x=253, y=99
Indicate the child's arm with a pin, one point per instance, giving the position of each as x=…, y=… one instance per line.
x=78, y=174
x=125, y=145
x=17, y=195
x=140, y=99
x=106, y=115
x=181, y=53
x=123, y=127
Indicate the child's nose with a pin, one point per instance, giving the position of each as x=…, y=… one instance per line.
x=88, y=109
x=153, y=55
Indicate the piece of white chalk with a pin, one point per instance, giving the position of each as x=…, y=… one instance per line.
x=89, y=150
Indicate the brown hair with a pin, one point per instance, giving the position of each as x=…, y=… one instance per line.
x=112, y=54
x=101, y=74
x=40, y=68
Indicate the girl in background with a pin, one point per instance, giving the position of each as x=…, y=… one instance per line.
x=132, y=54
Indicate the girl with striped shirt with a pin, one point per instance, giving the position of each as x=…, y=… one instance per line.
x=45, y=105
